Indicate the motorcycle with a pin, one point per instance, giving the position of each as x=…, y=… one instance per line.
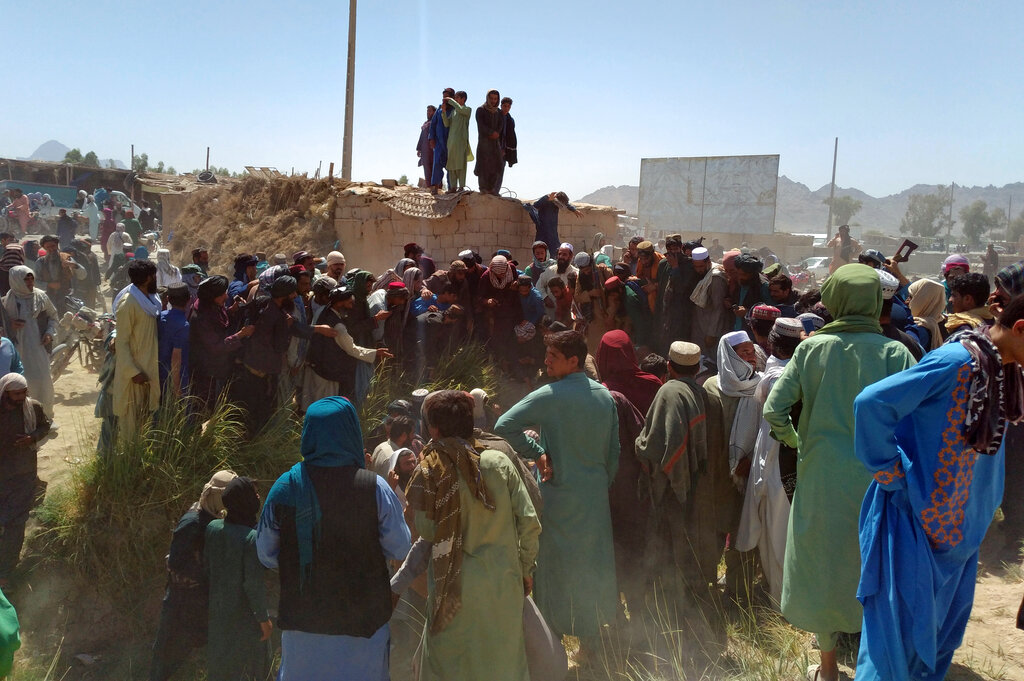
x=81, y=331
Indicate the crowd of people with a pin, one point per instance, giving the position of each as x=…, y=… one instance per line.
x=843, y=449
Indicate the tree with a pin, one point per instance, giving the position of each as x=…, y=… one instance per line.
x=171, y=170
x=73, y=156
x=843, y=209
x=91, y=160
x=404, y=179
x=111, y=163
x=976, y=220
x=160, y=167
x=140, y=163
x=927, y=214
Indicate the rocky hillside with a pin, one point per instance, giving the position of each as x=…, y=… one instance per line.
x=800, y=210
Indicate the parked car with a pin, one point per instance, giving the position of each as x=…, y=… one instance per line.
x=816, y=267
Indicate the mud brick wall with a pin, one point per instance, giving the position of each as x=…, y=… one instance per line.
x=372, y=233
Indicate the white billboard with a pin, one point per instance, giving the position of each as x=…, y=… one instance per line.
x=731, y=194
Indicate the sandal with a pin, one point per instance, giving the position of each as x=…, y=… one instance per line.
x=813, y=672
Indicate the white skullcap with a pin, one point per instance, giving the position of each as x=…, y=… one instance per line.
x=684, y=353
x=817, y=321
x=700, y=253
x=566, y=244
x=734, y=338
x=788, y=326
x=890, y=284
x=335, y=257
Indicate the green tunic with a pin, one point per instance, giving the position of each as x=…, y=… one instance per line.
x=575, y=586
x=822, y=563
x=10, y=639
x=485, y=639
x=459, y=151
x=238, y=603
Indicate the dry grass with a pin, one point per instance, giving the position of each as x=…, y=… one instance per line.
x=257, y=215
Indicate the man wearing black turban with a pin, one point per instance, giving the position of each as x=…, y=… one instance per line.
x=256, y=378
x=212, y=344
x=750, y=288
x=245, y=271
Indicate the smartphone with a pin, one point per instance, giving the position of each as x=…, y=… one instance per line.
x=808, y=325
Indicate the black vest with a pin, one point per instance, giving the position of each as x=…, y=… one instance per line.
x=328, y=360
x=347, y=591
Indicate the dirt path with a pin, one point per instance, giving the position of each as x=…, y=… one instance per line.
x=75, y=439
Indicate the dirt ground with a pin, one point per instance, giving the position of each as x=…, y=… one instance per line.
x=75, y=438
x=993, y=650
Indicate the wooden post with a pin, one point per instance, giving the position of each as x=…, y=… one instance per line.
x=350, y=79
x=330, y=171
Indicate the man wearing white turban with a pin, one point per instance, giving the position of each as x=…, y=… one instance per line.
x=22, y=424
x=30, y=320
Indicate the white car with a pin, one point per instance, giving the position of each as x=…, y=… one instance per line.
x=816, y=266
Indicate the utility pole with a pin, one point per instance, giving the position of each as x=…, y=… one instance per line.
x=346, y=153
x=832, y=192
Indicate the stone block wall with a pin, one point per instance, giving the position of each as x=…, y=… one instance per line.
x=373, y=234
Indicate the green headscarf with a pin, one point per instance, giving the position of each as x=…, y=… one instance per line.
x=361, y=286
x=853, y=295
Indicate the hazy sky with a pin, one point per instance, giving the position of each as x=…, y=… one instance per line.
x=916, y=91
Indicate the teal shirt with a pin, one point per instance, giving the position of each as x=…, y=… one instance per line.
x=575, y=586
x=238, y=601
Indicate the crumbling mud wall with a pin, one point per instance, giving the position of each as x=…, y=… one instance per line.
x=369, y=223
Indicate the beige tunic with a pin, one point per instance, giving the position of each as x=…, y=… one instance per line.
x=136, y=351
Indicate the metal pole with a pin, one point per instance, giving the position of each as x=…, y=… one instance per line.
x=207, y=158
x=832, y=191
x=346, y=153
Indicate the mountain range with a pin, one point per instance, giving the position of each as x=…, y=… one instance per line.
x=799, y=210
x=54, y=151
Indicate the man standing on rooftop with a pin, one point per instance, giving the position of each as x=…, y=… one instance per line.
x=489, y=123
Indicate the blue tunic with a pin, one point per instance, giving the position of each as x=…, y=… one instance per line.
x=173, y=334
x=437, y=131
x=923, y=519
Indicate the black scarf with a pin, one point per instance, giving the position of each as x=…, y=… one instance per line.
x=242, y=502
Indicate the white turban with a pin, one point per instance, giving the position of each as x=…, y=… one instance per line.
x=734, y=338
x=13, y=381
